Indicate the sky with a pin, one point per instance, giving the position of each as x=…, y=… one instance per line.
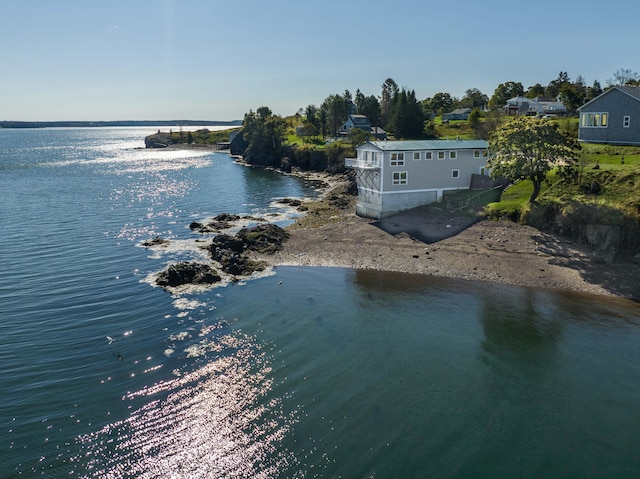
x=75, y=60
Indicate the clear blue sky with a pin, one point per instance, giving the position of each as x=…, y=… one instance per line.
x=216, y=60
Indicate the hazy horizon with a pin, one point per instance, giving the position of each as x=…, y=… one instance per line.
x=108, y=60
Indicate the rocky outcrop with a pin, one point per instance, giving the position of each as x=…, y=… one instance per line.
x=232, y=252
x=159, y=140
x=187, y=273
x=221, y=222
x=263, y=238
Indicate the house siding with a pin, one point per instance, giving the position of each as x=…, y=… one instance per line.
x=617, y=104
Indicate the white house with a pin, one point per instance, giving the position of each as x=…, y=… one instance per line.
x=533, y=106
x=393, y=176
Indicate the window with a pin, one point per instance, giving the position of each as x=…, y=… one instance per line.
x=453, y=155
x=476, y=153
x=455, y=173
x=441, y=155
x=399, y=177
x=374, y=157
x=397, y=159
x=416, y=155
x=596, y=120
x=485, y=153
x=626, y=122
x=428, y=155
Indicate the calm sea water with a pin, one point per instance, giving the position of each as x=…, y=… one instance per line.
x=309, y=372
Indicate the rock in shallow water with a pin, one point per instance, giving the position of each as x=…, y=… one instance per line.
x=187, y=272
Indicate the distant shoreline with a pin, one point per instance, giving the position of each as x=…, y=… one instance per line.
x=94, y=124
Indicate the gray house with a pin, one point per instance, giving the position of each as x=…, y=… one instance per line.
x=393, y=176
x=459, y=114
x=355, y=121
x=612, y=117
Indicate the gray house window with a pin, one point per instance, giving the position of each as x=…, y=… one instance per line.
x=428, y=155
x=399, y=178
x=455, y=173
x=397, y=159
x=453, y=155
x=626, y=122
x=596, y=119
x=416, y=155
x=441, y=155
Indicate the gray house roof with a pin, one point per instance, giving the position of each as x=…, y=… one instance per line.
x=414, y=145
x=632, y=91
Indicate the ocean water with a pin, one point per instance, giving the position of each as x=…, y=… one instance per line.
x=303, y=372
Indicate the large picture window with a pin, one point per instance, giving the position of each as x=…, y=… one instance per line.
x=397, y=159
x=594, y=120
x=399, y=177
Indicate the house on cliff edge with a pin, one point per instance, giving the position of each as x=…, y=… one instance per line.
x=393, y=176
x=612, y=117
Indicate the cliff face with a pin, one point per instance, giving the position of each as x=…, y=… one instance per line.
x=158, y=140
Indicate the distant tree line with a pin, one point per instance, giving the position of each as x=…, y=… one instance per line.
x=403, y=116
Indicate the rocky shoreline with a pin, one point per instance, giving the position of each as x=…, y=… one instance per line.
x=446, y=244
x=419, y=241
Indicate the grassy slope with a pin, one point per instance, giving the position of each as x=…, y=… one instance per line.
x=572, y=203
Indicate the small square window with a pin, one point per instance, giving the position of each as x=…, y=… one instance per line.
x=397, y=159
x=453, y=155
x=416, y=155
x=626, y=122
x=441, y=155
x=399, y=178
x=455, y=173
x=476, y=153
x=428, y=155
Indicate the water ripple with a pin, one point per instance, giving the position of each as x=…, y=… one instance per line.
x=211, y=422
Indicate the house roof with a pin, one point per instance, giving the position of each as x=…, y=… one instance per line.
x=413, y=145
x=459, y=111
x=632, y=91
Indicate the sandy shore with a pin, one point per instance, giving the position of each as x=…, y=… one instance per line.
x=447, y=245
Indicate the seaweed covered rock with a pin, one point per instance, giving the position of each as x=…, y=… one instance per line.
x=266, y=238
x=187, y=272
x=227, y=242
x=220, y=222
x=236, y=264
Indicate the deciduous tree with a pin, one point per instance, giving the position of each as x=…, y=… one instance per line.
x=623, y=76
x=504, y=92
x=440, y=103
x=526, y=148
x=263, y=131
x=474, y=98
x=336, y=110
